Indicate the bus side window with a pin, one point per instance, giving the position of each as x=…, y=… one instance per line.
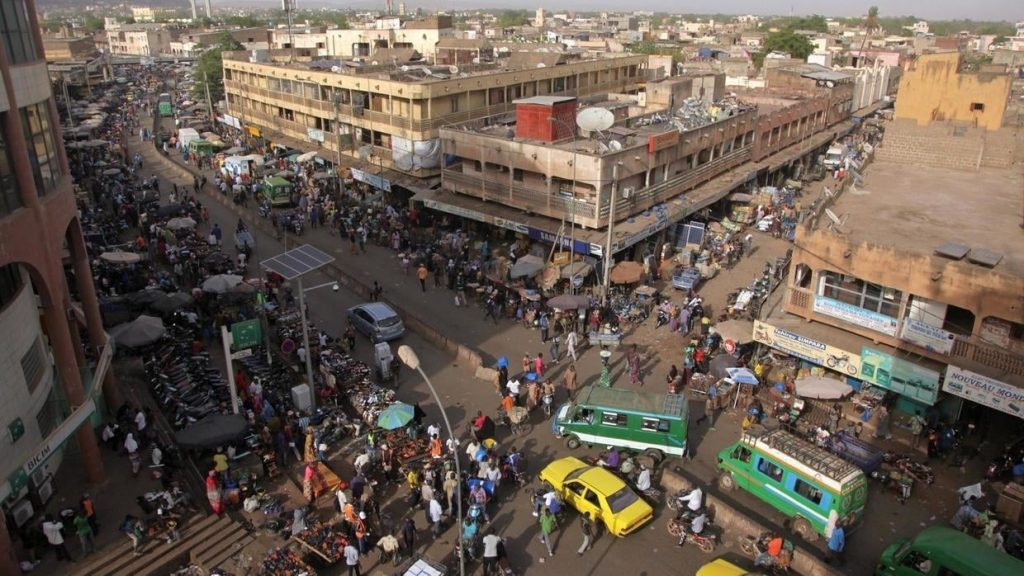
x=769, y=469
x=742, y=454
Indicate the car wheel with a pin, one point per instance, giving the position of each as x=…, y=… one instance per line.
x=727, y=482
x=803, y=529
x=572, y=442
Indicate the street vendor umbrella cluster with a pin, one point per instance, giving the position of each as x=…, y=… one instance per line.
x=120, y=257
x=821, y=388
x=569, y=302
x=170, y=302
x=527, y=266
x=396, y=416
x=627, y=272
x=212, y=431
x=142, y=331
x=223, y=283
x=181, y=223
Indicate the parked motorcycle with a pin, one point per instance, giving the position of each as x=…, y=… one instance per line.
x=756, y=547
x=679, y=525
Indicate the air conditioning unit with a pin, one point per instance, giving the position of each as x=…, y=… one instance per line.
x=44, y=492
x=627, y=192
x=22, y=513
x=39, y=477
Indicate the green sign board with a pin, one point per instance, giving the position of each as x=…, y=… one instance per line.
x=17, y=429
x=902, y=377
x=18, y=480
x=246, y=334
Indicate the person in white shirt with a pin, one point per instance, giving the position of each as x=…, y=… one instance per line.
x=435, y=517
x=301, y=353
x=693, y=500
x=491, y=542
x=361, y=461
x=52, y=530
x=352, y=559
x=643, y=480
x=140, y=421
x=513, y=386
x=433, y=430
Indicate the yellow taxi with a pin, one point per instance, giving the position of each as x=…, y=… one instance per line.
x=724, y=568
x=597, y=491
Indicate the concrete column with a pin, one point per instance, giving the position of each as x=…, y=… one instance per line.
x=8, y=559
x=91, y=308
x=56, y=322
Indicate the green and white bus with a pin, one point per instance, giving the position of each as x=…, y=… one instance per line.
x=652, y=423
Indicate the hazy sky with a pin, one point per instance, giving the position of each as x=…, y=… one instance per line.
x=1012, y=10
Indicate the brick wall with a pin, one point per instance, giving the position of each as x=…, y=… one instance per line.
x=948, y=145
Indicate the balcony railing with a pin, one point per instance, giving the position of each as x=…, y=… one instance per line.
x=996, y=358
x=327, y=110
x=658, y=193
x=499, y=190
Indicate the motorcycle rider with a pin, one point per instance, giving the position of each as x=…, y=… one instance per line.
x=696, y=527
x=770, y=546
x=694, y=499
x=610, y=459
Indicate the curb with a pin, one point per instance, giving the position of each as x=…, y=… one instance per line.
x=731, y=520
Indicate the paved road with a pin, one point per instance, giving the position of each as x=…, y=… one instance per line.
x=649, y=552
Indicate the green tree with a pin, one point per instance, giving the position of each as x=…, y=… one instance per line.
x=871, y=22
x=511, y=18
x=245, y=21
x=210, y=68
x=796, y=45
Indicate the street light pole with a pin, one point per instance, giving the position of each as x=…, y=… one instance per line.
x=410, y=359
x=305, y=336
x=572, y=209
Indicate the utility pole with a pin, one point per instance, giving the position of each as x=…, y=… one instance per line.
x=611, y=227
x=337, y=137
x=209, y=101
x=288, y=6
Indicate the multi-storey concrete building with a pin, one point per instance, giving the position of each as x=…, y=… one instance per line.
x=390, y=116
x=140, y=40
x=49, y=389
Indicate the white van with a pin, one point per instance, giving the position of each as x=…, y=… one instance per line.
x=834, y=157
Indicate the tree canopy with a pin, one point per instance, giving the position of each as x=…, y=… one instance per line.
x=510, y=18
x=796, y=45
x=210, y=68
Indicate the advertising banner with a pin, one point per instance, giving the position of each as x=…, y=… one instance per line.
x=927, y=336
x=807, y=349
x=855, y=315
x=984, y=390
x=902, y=377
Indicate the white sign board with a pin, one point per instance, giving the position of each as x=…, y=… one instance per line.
x=984, y=390
x=927, y=336
x=855, y=315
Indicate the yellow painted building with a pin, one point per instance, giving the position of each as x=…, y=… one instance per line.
x=935, y=89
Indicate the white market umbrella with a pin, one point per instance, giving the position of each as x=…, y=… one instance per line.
x=222, y=283
x=120, y=257
x=181, y=223
x=142, y=331
x=820, y=388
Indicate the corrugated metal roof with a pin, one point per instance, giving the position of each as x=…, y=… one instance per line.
x=826, y=75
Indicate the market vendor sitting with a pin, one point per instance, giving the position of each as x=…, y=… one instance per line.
x=610, y=459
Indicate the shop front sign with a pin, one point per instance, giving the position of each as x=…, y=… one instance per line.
x=373, y=180
x=855, y=315
x=455, y=210
x=926, y=336
x=578, y=246
x=807, y=349
x=902, y=377
x=984, y=390
x=512, y=225
x=230, y=121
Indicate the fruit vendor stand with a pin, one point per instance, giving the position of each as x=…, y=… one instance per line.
x=323, y=541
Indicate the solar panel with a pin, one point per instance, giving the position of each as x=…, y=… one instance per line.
x=953, y=250
x=985, y=257
x=297, y=261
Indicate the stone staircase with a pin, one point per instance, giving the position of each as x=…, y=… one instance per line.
x=207, y=541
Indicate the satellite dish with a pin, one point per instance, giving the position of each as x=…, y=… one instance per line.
x=541, y=65
x=595, y=119
x=453, y=69
x=615, y=145
x=374, y=63
x=404, y=68
x=830, y=84
x=837, y=222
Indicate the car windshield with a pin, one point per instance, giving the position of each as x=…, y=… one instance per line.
x=575, y=473
x=621, y=500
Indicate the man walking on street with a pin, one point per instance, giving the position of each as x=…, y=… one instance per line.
x=543, y=327
x=570, y=345
x=84, y=531
x=421, y=273
x=547, y=528
x=588, y=531
x=352, y=560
